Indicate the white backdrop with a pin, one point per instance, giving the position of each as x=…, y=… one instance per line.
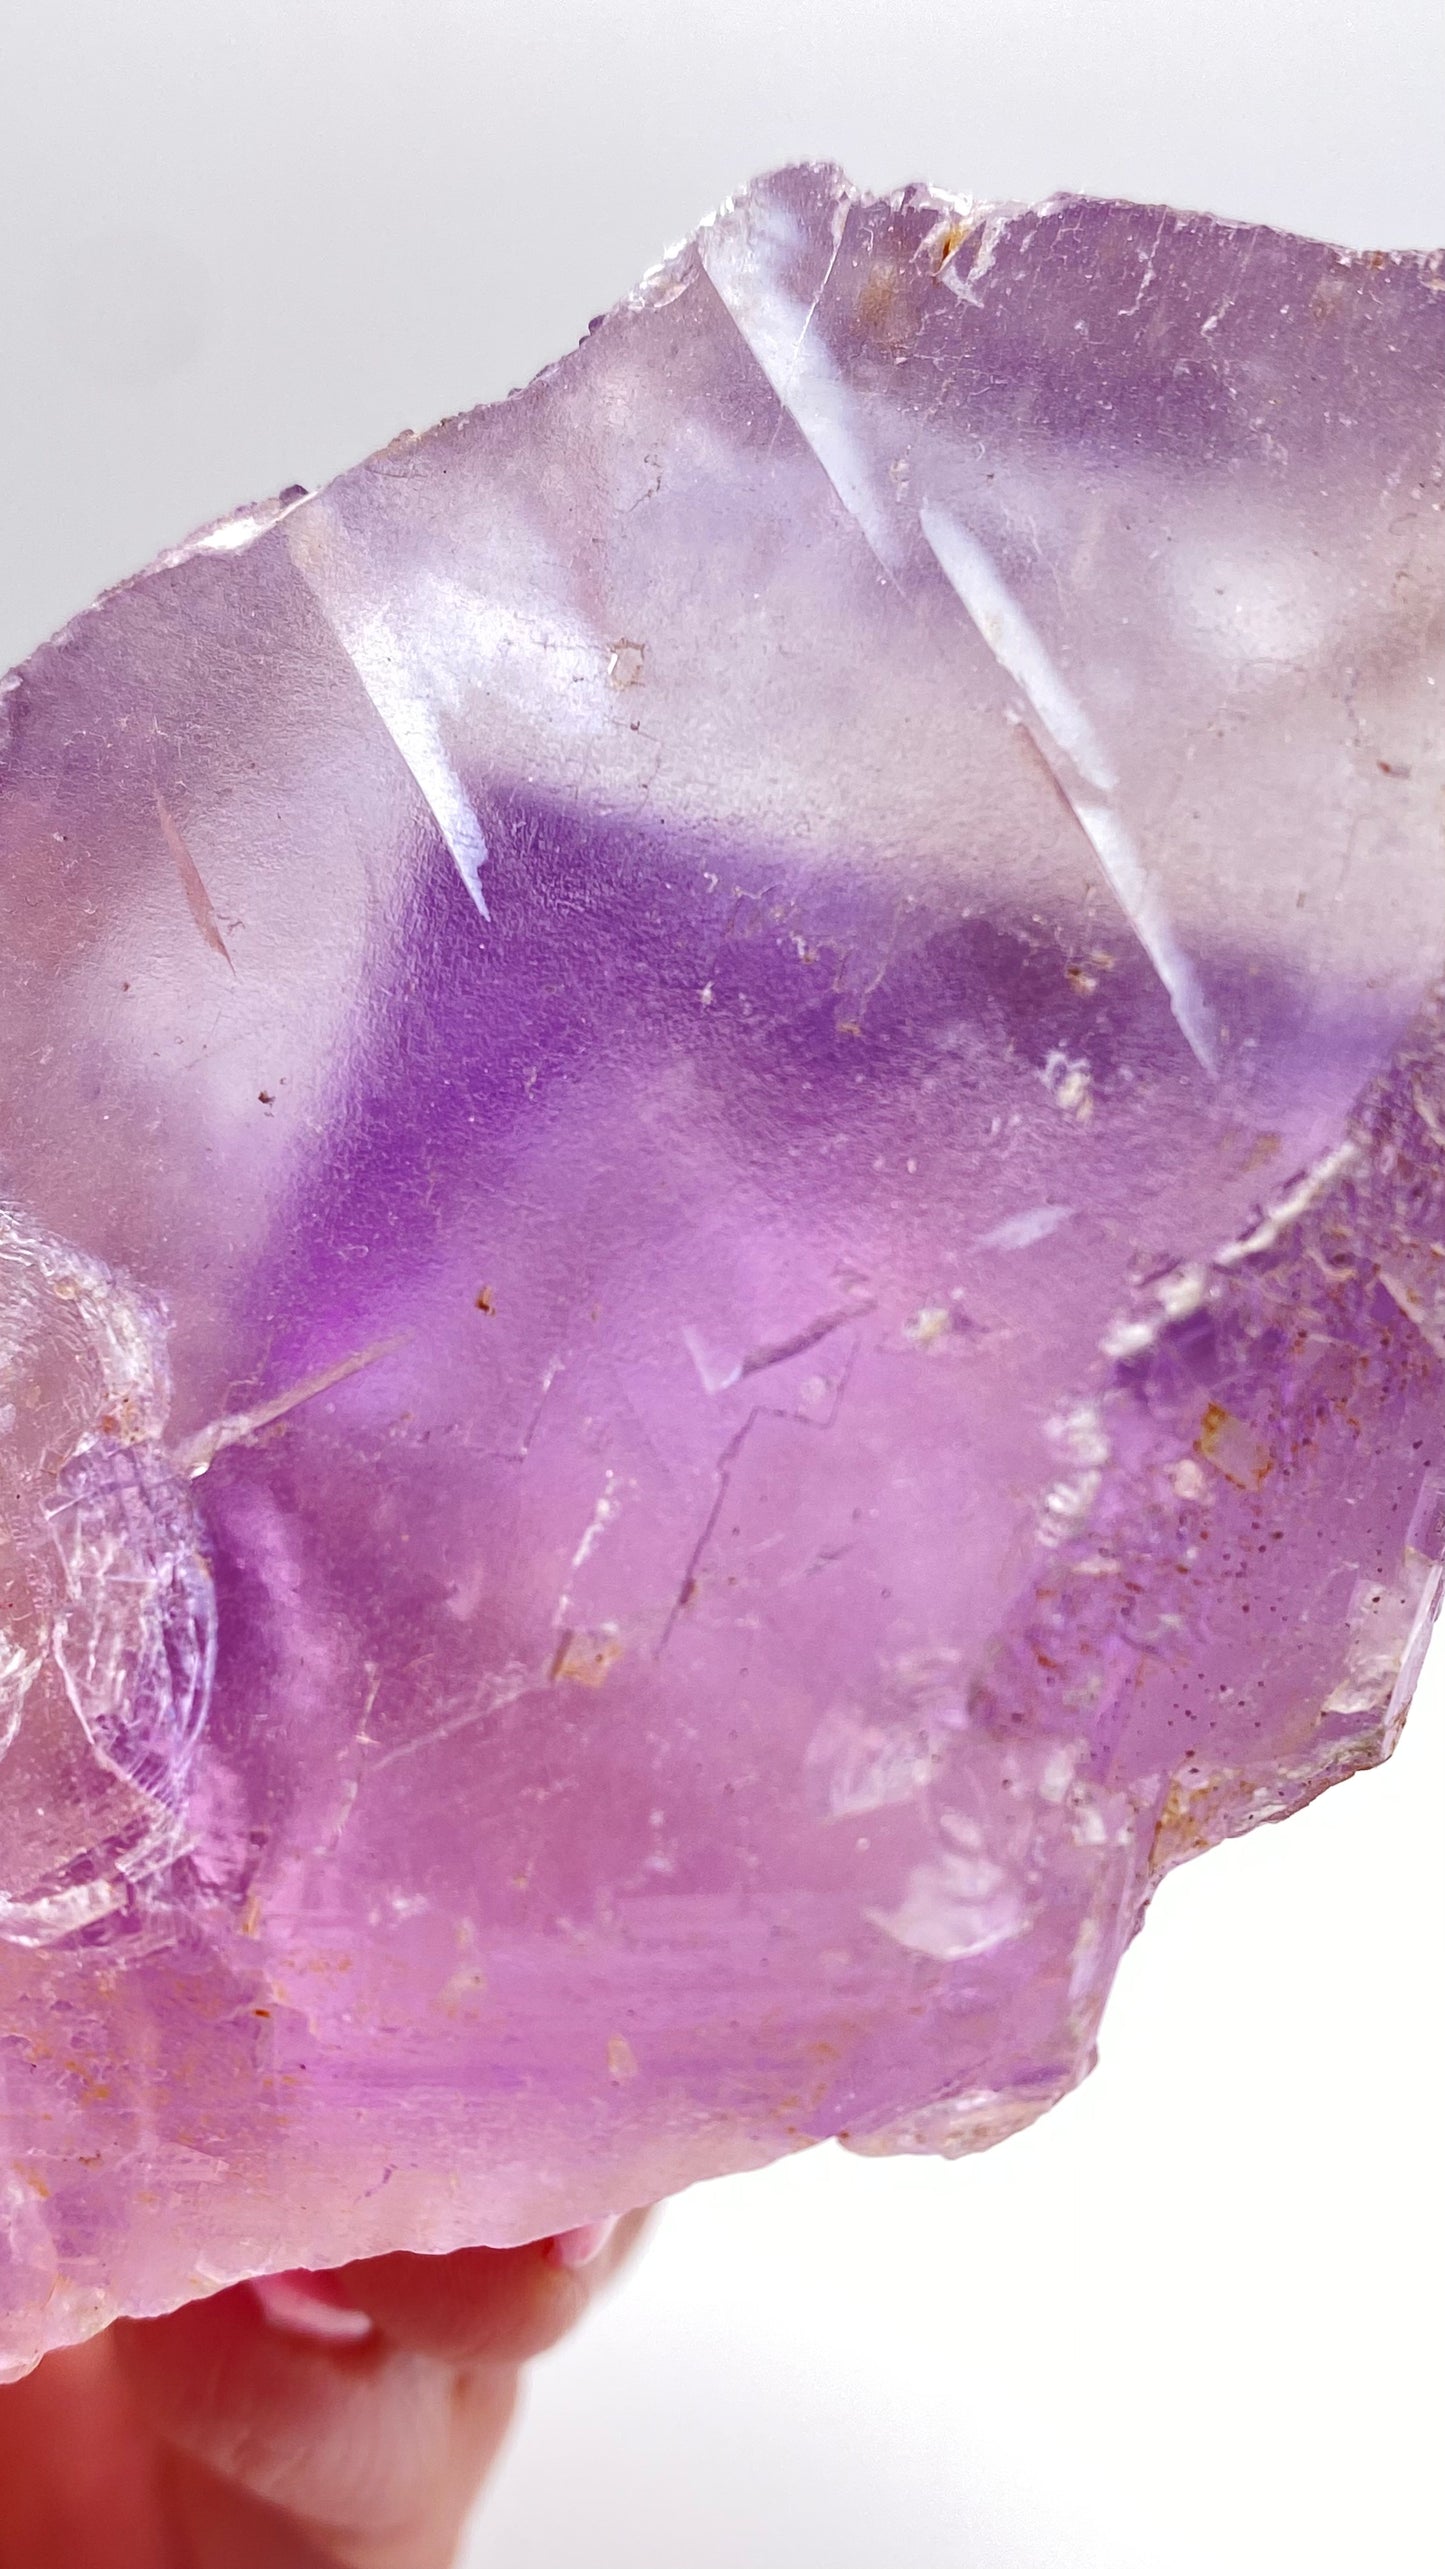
x=1192, y=2318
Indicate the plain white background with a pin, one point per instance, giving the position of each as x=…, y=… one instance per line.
x=1192, y=2319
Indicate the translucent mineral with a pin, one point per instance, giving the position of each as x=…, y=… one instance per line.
x=722, y=1232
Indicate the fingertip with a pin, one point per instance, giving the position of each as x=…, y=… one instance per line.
x=476, y=2306
x=341, y=2432
x=575, y=2249
x=312, y=2306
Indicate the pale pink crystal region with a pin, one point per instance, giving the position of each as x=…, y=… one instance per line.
x=722, y=1163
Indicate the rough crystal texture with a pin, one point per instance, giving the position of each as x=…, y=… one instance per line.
x=723, y=1124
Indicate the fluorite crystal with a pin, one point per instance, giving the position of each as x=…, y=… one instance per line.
x=722, y=1280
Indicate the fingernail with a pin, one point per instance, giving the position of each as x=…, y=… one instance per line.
x=314, y=2306
x=574, y=2248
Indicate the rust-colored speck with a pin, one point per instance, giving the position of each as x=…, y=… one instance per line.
x=584, y=1658
x=948, y=241
x=884, y=309
x=1233, y=1448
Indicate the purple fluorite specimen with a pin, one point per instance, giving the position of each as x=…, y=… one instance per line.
x=720, y=1284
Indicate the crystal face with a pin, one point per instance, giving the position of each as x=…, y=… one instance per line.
x=722, y=1155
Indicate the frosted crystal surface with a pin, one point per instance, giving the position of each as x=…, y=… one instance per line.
x=722, y=1163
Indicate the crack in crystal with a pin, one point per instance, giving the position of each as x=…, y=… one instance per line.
x=1074, y=752
x=198, y=899
x=724, y=1467
x=405, y=712
x=760, y=1358
x=514, y=1683
x=197, y=1453
x=785, y=409
x=741, y=267
x=987, y=226
x=519, y=1452
x=724, y=1377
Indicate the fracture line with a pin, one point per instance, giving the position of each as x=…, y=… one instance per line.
x=687, y=1589
x=1080, y=763
x=406, y=713
x=759, y=1359
x=777, y=329
x=199, y=1451
x=198, y=899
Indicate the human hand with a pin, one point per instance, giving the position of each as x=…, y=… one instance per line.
x=309, y=2422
